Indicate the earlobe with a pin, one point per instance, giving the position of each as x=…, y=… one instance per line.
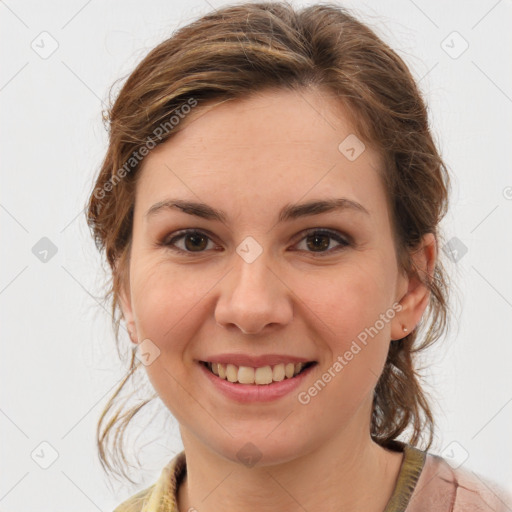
x=417, y=296
x=126, y=308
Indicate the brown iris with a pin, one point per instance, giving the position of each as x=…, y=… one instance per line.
x=197, y=240
x=316, y=237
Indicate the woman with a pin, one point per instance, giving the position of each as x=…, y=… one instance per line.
x=269, y=205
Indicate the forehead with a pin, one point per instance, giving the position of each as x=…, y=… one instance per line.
x=272, y=146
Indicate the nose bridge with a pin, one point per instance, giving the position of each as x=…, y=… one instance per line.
x=253, y=295
x=253, y=277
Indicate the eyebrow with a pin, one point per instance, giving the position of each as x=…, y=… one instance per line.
x=287, y=213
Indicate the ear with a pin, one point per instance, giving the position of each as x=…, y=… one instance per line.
x=416, y=298
x=126, y=308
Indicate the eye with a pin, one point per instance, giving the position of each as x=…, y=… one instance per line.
x=321, y=239
x=194, y=241
x=316, y=240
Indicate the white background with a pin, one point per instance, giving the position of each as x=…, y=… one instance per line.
x=58, y=362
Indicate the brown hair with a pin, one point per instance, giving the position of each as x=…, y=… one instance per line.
x=243, y=49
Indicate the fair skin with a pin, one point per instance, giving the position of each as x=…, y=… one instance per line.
x=249, y=158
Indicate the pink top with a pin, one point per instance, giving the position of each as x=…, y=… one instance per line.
x=425, y=483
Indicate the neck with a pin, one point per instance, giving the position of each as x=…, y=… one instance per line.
x=361, y=476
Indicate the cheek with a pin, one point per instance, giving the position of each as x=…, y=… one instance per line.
x=167, y=305
x=165, y=300
x=352, y=306
x=348, y=299
x=347, y=308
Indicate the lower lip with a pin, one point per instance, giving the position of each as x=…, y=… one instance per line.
x=247, y=393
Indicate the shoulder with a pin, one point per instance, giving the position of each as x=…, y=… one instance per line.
x=136, y=502
x=163, y=493
x=443, y=488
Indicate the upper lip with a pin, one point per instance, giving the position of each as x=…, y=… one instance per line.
x=254, y=361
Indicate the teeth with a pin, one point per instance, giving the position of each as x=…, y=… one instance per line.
x=231, y=373
x=263, y=375
x=260, y=376
x=246, y=375
x=278, y=373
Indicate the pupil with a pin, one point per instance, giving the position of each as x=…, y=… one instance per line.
x=195, y=238
x=325, y=245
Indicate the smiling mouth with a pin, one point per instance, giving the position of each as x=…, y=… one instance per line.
x=257, y=376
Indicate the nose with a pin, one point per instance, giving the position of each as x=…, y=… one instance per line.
x=253, y=298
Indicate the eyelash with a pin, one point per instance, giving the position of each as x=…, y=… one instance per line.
x=169, y=243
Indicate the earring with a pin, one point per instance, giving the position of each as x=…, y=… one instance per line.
x=405, y=329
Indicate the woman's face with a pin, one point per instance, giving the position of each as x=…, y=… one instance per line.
x=257, y=283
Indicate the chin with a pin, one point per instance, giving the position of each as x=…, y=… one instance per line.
x=260, y=451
